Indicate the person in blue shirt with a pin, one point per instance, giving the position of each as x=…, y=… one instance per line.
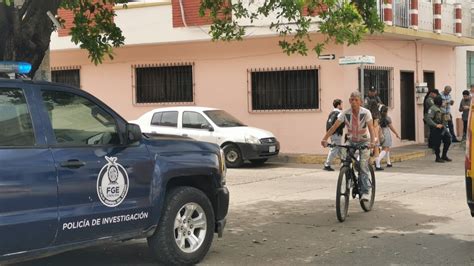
x=446, y=109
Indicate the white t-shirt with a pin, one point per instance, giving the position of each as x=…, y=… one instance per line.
x=356, y=124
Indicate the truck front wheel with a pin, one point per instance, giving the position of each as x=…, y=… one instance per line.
x=186, y=228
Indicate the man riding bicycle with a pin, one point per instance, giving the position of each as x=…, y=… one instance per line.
x=357, y=120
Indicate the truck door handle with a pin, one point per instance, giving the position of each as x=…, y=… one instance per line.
x=73, y=164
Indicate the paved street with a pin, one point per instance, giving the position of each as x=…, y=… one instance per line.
x=285, y=214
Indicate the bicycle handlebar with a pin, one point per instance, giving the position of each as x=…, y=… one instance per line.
x=358, y=147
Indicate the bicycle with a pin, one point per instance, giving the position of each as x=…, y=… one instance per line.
x=348, y=180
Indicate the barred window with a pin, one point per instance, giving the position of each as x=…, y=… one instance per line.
x=69, y=76
x=164, y=84
x=295, y=89
x=380, y=78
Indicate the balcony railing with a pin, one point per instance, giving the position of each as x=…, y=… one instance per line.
x=401, y=13
x=401, y=16
x=425, y=16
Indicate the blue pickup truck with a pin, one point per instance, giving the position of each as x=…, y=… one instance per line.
x=74, y=173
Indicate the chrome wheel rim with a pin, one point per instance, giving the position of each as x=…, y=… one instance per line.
x=190, y=227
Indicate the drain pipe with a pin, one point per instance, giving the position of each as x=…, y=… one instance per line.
x=417, y=63
x=182, y=12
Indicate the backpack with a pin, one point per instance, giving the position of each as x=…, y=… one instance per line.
x=331, y=119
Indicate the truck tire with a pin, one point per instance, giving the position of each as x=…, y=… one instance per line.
x=233, y=156
x=186, y=241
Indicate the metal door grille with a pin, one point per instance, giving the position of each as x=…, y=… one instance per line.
x=380, y=78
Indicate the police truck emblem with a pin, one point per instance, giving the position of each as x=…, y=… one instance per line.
x=112, y=183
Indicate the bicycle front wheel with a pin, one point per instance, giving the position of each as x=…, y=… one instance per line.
x=342, y=193
x=367, y=205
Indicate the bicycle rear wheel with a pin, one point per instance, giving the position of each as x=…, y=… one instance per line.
x=367, y=205
x=342, y=193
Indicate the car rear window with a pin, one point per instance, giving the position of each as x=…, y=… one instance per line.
x=165, y=119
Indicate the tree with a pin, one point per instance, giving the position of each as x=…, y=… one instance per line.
x=340, y=21
x=25, y=29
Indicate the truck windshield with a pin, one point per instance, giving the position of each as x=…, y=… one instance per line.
x=222, y=119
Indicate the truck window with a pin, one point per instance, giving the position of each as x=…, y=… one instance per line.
x=15, y=121
x=78, y=121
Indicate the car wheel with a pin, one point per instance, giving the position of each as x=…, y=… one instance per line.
x=233, y=156
x=258, y=161
x=186, y=228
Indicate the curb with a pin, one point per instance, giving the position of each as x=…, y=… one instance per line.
x=320, y=159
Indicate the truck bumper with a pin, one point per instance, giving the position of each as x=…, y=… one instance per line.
x=221, y=209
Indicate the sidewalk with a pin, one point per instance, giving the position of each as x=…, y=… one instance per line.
x=397, y=154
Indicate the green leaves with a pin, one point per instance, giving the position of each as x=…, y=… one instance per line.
x=340, y=21
x=94, y=28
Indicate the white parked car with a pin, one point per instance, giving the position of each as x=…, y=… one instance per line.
x=239, y=142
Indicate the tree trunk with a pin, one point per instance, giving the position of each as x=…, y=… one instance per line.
x=26, y=30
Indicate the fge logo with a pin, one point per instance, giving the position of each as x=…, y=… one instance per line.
x=112, y=183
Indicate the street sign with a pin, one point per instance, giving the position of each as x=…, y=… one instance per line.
x=357, y=59
x=327, y=57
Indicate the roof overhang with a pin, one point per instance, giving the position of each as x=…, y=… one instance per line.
x=425, y=36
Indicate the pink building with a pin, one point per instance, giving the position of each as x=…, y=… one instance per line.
x=167, y=63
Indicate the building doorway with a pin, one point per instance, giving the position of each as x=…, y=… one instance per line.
x=407, y=100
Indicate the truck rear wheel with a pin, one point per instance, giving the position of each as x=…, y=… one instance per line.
x=186, y=228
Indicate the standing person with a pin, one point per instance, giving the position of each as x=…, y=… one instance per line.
x=386, y=143
x=337, y=136
x=372, y=95
x=464, y=108
x=372, y=102
x=360, y=130
x=438, y=124
x=427, y=103
x=446, y=108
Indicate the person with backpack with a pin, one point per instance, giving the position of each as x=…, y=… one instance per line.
x=385, y=137
x=337, y=136
x=372, y=102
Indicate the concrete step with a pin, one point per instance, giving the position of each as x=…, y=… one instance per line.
x=397, y=154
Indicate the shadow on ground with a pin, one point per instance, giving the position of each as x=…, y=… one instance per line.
x=299, y=232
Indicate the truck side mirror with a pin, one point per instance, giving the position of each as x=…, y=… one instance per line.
x=134, y=133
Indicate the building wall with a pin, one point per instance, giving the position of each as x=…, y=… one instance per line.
x=220, y=76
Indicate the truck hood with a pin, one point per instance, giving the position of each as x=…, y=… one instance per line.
x=161, y=144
